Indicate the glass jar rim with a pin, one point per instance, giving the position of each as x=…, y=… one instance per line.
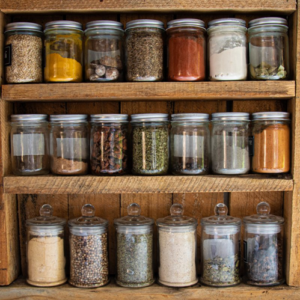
x=155, y=117
x=109, y=118
x=227, y=22
x=102, y=25
x=68, y=118
x=23, y=26
x=144, y=23
x=188, y=22
x=273, y=21
x=271, y=116
x=190, y=117
x=230, y=116
x=63, y=24
x=29, y=118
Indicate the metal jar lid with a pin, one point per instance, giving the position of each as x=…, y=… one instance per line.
x=190, y=117
x=271, y=115
x=186, y=23
x=272, y=21
x=145, y=23
x=23, y=26
x=29, y=118
x=109, y=118
x=104, y=24
x=230, y=116
x=63, y=24
x=68, y=118
x=227, y=22
x=149, y=118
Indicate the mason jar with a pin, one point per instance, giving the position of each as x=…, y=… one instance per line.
x=190, y=144
x=29, y=139
x=186, y=50
x=150, y=144
x=271, y=142
x=144, y=50
x=63, y=51
x=227, y=52
x=229, y=143
x=69, y=144
x=263, y=247
x=269, y=49
x=134, y=249
x=220, y=249
x=23, y=52
x=104, y=51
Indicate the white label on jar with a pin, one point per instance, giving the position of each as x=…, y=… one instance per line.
x=71, y=148
x=213, y=248
x=188, y=145
x=264, y=54
x=28, y=144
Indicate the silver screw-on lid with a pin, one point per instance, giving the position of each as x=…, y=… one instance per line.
x=145, y=23
x=149, y=117
x=68, y=118
x=190, y=117
x=28, y=118
x=227, y=22
x=23, y=26
x=268, y=21
x=186, y=23
x=271, y=115
x=104, y=24
x=63, y=24
x=109, y=118
x=230, y=116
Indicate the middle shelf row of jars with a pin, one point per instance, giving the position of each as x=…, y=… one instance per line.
x=227, y=148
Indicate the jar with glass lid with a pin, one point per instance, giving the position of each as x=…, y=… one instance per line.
x=144, y=50
x=63, y=51
x=134, y=249
x=190, y=144
x=177, y=238
x=263, y=247
x=29, y=139
x=220, y=248
x=227, y=52
x=150, y=144
x=229, y=143
x=268, y=49
x=271, y=142
x=186, y=50
x=23, y=52
x=104, y=51
x=45, y=249
x=88, y=249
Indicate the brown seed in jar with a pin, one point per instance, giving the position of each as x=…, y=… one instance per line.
x=100, y=70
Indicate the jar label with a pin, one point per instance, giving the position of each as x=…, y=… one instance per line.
x=70, y=148
x=188, y=146
x=7, y=55
x=222, y=248
x=96, y=55
x=245, y=252
x=28, y=144
x=251, y=145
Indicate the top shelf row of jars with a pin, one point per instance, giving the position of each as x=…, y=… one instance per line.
x=143, y=58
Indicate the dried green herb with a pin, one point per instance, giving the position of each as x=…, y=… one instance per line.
x=266, y=71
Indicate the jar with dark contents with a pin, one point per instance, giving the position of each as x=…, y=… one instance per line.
x=109, y=149
x=88, y=250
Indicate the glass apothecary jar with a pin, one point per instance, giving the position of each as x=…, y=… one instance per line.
x=190, y=144
x=227, y=52
x=177, y=238
x=268, y=49
x=109, y=148
x=29, y=139
x=63, y=51
x=263, y=247
x=271, y=142
x=150, y=139
x=88, y=249
x=23, y=52
x=186, y=50
x=69, y=144
x=144, y=50
x=104, y=51
x=45, y=249
x=134, y=249
x=220, y=249
x=229, y=143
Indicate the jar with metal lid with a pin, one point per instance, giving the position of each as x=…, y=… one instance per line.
x=229, y=143
x=271, y=142
x=150, y=144
x=29, y=139
x=134, y=249
x=269, y=49
x=227, y=52
x=69, y=144
x=23, y=52
x=186, y=50
x=220, y=248
x=104, y=51
x=109, y=147
x=144, y=50
x=45, y=249
x=263, y=247
x=63, y=51
x=190, y=144
x=177, y=238
x=88, y=249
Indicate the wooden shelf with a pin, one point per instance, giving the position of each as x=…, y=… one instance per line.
x=128, y=91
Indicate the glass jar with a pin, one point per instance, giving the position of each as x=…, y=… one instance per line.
x=220, y=249
x=104, y=51
x=150, y=149
x=186, y=50
x=134, y=249
x=63, y=51
x=29, y=139
x=109, y=148
x=144, y=50
x=190, y=144
x=88, y=249
x=263, y=247
x=271, y=142
x=229, y=143
x=45, y=249
x=177, y=237
x=227, y=52
x=69, y=144
x=269, y=49
x=23, y=52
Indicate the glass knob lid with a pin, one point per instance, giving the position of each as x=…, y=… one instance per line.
x=88, y=211
x=221, y=210
x=134, y=210
x=176, y=210
x=263, y=208
x=46, y=211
